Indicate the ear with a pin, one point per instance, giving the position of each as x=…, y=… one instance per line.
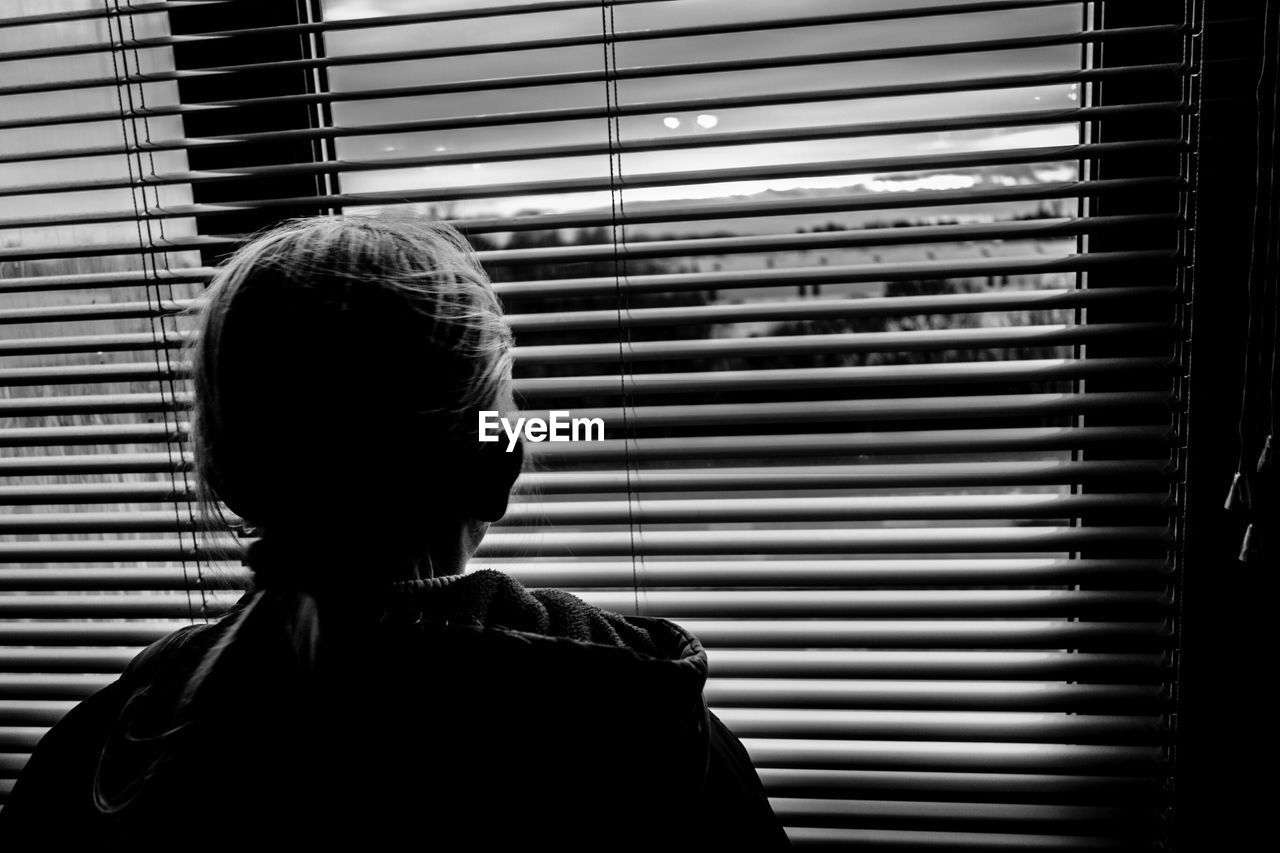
x=495, y=475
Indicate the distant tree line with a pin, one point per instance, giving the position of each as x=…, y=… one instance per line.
x=609, y=301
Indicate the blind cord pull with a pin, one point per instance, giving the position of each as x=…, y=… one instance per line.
x=1238, y=497
x=1264, y=458
x=1248, y=548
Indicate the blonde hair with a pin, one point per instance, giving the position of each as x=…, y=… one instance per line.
x=356, y=341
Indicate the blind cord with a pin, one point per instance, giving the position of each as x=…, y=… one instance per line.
x=619, y=235
x=1238, y=495
x=155, y=311
x=1266, y=285
x=1261, y=286
x=1271, y=285
x=164, y=347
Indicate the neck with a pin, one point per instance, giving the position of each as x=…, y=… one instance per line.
x=308, y=557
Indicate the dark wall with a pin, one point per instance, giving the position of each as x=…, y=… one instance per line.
x=1224, y=752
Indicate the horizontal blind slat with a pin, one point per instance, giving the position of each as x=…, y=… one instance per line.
x=680, y=511
x=1010, y=665
x=1037, y=229
x=765, y=379
x=961, y=757
x=763, y=345
x=943, y=725
x=870, y=306
x=1023, y=118
x=738, y=633
x=715, y=479
x=1013, y=439
x=472, y=12
x=961, y=817
x=47, y=660
x=842, y=274
x=961, y=786
x=94, y=14
x=793, y=701
x=915, y=540
x=584, y=573
x=864, y=55
x=920, y=162
x=28, y=712
x=866, y=694
x=678, y=604
x=658, y=212
x=900, y=409
x=1104, y=668
x=759, y=379
x=936, y=634
x=915, y=841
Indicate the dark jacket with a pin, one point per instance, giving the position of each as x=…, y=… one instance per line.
x=462, y=713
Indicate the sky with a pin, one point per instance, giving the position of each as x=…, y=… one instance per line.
x=500, y=63
x=494, y=59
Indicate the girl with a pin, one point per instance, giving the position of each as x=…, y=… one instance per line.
x=365, y=690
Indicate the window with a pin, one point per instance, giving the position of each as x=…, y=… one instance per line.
x=878, y=304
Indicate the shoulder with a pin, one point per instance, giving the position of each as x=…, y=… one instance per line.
x=737, y=809
x=52, y=798
x=151, y=660
x=50, y=803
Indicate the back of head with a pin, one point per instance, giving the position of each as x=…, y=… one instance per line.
x=338, y=371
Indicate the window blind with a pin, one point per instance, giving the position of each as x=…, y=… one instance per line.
x=878, y=303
